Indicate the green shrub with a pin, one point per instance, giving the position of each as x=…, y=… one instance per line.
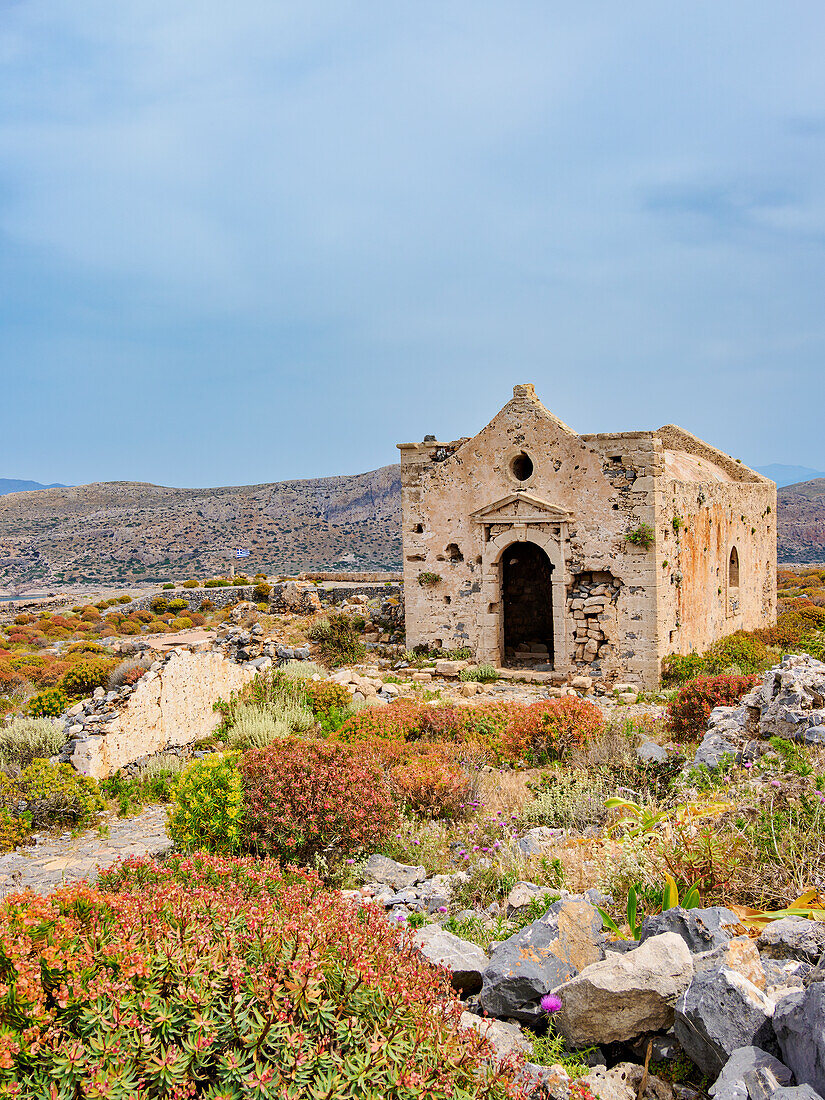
x=679, y=667
x=338, y=641
x=324, y=695
x=82, y=678
x=207, y=811
x=567, y=800
x=177, y=605
x=216, y=582
x=740, y=650
x=124, y=599
x=428, y=580
x=227, y=978
x=255, y=727
x=191, y=583
x=305, y=798
x=261, y=592
x=27, y=739
x=158, y=605
x=55, y=793
x=50, y=703
x=167, y=585
x=484, y=674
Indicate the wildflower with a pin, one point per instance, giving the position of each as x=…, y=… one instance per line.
x=442, y=908
x=550, y=1004
x=747, y=764
x=350, y=861
x=775, y=783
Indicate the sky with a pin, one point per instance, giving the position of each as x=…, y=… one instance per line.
x=250, y=241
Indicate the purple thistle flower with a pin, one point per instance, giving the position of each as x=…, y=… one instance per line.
x=550, y=1003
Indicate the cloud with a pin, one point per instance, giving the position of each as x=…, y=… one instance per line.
x=388, y=213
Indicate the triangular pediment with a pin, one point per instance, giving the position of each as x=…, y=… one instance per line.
x=521, y=507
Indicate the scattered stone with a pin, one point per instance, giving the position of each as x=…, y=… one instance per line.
x=651, y=753
x=524, y=893
x=465, y=961
x=625, y=995
x=721, y=1012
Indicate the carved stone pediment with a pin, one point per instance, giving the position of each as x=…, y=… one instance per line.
x=521, y=508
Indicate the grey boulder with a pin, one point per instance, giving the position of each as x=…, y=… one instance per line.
x=721, y=1012
x=793, y=938
x=546, y=953
x=465, y=961
x=750, y=1074
x=701, y=929
x=799, y=1022
x=397, y=875
x=505, y=1039
x=800, y=1092
x=623, y=996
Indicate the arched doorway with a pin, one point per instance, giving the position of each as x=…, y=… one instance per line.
x=527, y=602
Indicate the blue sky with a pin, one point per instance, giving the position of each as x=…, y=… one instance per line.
x=261, y=240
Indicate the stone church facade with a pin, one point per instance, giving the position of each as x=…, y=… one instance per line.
x=538, y=547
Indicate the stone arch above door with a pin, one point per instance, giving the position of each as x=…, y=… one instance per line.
x=552, y=538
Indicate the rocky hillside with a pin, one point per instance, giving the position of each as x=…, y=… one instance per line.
x=123, y=532
x=802, y=521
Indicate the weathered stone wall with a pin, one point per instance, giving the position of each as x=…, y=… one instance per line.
x=615, y=605
x=328, y=595
x=170, y=705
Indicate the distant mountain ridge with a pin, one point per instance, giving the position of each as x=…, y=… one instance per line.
x=125, y=531
x=12, y=485
x=788, y=475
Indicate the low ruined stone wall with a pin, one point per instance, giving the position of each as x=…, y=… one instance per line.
x=171, y=705
x=285, y=596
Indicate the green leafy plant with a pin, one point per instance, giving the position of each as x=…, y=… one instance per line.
x=427, y=579
x=28, y=739
x=207, y=809
x=338, y=640
x=642, y=536
x=227, y=978
x=50, y=703
x=484, y=674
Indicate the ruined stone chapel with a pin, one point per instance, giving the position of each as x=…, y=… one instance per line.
x=538, y=547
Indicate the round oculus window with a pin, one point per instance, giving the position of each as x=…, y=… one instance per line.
x=521, y=467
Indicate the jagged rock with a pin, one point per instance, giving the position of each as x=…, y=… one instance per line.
x=701, y=929
x=540, y=957
x=651, y=753
x=721, y=1012
x=544, y=1082
x=739, y=954
x=793, y=938
x=538, y=840
x=465, y=961
x=749, y=1074
x=397, y=875
x=505, y=1039
x=784, y=976
x=625, y=995
x=622, y=1083
x=798, y=1092
x=523, y=893
x=799, y=1023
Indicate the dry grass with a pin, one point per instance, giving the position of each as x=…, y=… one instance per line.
x=506, y=791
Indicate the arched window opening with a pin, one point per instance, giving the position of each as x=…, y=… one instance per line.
x=733, y=569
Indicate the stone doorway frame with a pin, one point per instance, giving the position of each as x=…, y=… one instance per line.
x=522, y=517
